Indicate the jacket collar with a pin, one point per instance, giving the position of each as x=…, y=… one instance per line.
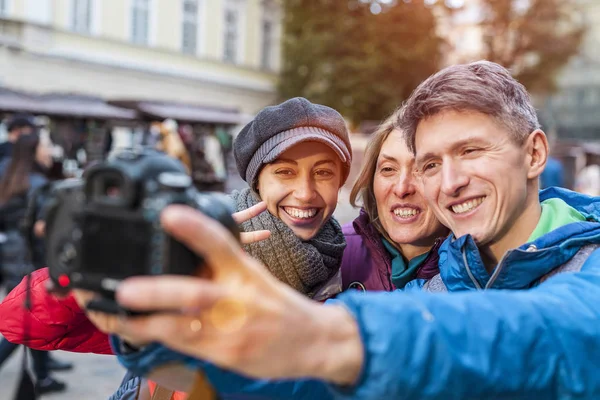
x=363, y=226
x=589, y=206
x=462, y=268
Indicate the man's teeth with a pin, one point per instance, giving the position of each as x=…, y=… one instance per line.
x=298, y=213
x=467, y=205
x=406, y=212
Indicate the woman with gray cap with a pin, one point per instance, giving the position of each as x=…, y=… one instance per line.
x=296, y=156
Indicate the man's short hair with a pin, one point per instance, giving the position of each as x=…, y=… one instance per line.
x=20, y=121
x=481, y=86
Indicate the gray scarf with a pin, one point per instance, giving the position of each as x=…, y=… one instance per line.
x=304, y=265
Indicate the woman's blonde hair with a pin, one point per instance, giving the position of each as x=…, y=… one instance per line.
x=363, y=186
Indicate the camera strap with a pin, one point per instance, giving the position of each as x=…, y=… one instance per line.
x=26, y=387
x=202, y=389
x=161, y=393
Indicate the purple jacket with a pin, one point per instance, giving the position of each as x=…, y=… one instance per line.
x=367, y=265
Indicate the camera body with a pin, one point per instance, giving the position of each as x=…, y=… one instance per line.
x=106, y=227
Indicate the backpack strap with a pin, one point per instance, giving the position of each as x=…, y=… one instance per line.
x=161, y=393
x=202, y=389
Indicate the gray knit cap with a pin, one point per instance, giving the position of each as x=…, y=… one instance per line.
x=277, y=128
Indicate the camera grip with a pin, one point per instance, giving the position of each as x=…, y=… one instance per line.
x=104, y=305
x=108, y=306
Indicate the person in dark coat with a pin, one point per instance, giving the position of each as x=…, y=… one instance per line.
x=20, y=124
x=22, y=179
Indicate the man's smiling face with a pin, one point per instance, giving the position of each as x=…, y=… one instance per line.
x=473, y=173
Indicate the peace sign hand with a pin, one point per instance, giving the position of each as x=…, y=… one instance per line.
x=245, y=215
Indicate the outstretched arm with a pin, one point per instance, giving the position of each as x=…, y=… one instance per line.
x=540, y=343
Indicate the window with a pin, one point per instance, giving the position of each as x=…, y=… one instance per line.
x=140, y=21
x=39, y=11
x=267, y=44
x=190, y=28
x=269, y=48
x=4, y=7
x=82, y=16
x=232, y=31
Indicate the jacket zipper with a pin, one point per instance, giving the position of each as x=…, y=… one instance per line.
x=477, y=285
x=500, y=266
x=497, y=271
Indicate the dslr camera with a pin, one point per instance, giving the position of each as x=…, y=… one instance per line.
x=106, y=227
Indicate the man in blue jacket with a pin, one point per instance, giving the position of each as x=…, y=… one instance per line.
x=522, y=321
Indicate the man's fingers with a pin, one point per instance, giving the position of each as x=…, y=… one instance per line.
x=253, y=237
x=170, y=293
x=245, y=215
x=148, y=329
x=202, y=234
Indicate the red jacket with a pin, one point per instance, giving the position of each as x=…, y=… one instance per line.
x=54, y=323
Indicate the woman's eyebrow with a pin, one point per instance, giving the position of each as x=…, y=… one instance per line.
x=284, y=160
x=324, y=162
x=386, y=158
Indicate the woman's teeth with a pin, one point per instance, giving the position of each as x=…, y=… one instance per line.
x=467, y=205
x=406, y=212
x=298, y=213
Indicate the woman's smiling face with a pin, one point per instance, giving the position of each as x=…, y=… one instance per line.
x=301, y=187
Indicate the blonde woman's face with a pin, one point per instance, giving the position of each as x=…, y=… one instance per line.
x=402, y=210
x=301, y=187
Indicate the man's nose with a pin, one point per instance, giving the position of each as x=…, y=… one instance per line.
x=453, y=179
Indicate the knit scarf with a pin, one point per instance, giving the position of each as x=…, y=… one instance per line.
x=304, y=265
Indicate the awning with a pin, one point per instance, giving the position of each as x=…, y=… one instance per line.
x=182, y=112
x=58, y=104
x=83, y=106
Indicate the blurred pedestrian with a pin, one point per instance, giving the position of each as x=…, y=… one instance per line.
x=553, y=175
x=20, y=179
x=171, y=143
x=20, y=124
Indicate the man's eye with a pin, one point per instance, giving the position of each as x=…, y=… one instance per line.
x=429, y=166
x=284, y=172
x=470, y=151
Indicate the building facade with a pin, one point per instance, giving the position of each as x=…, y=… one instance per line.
x=222, y=53
x=101, y=72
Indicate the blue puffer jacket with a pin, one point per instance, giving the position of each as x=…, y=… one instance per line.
x=540, y=342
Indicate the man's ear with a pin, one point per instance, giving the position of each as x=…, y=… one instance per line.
x=537, y=149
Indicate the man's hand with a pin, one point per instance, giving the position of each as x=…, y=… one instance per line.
x=241, y=317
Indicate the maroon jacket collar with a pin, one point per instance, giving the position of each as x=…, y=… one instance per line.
x=363, y=226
